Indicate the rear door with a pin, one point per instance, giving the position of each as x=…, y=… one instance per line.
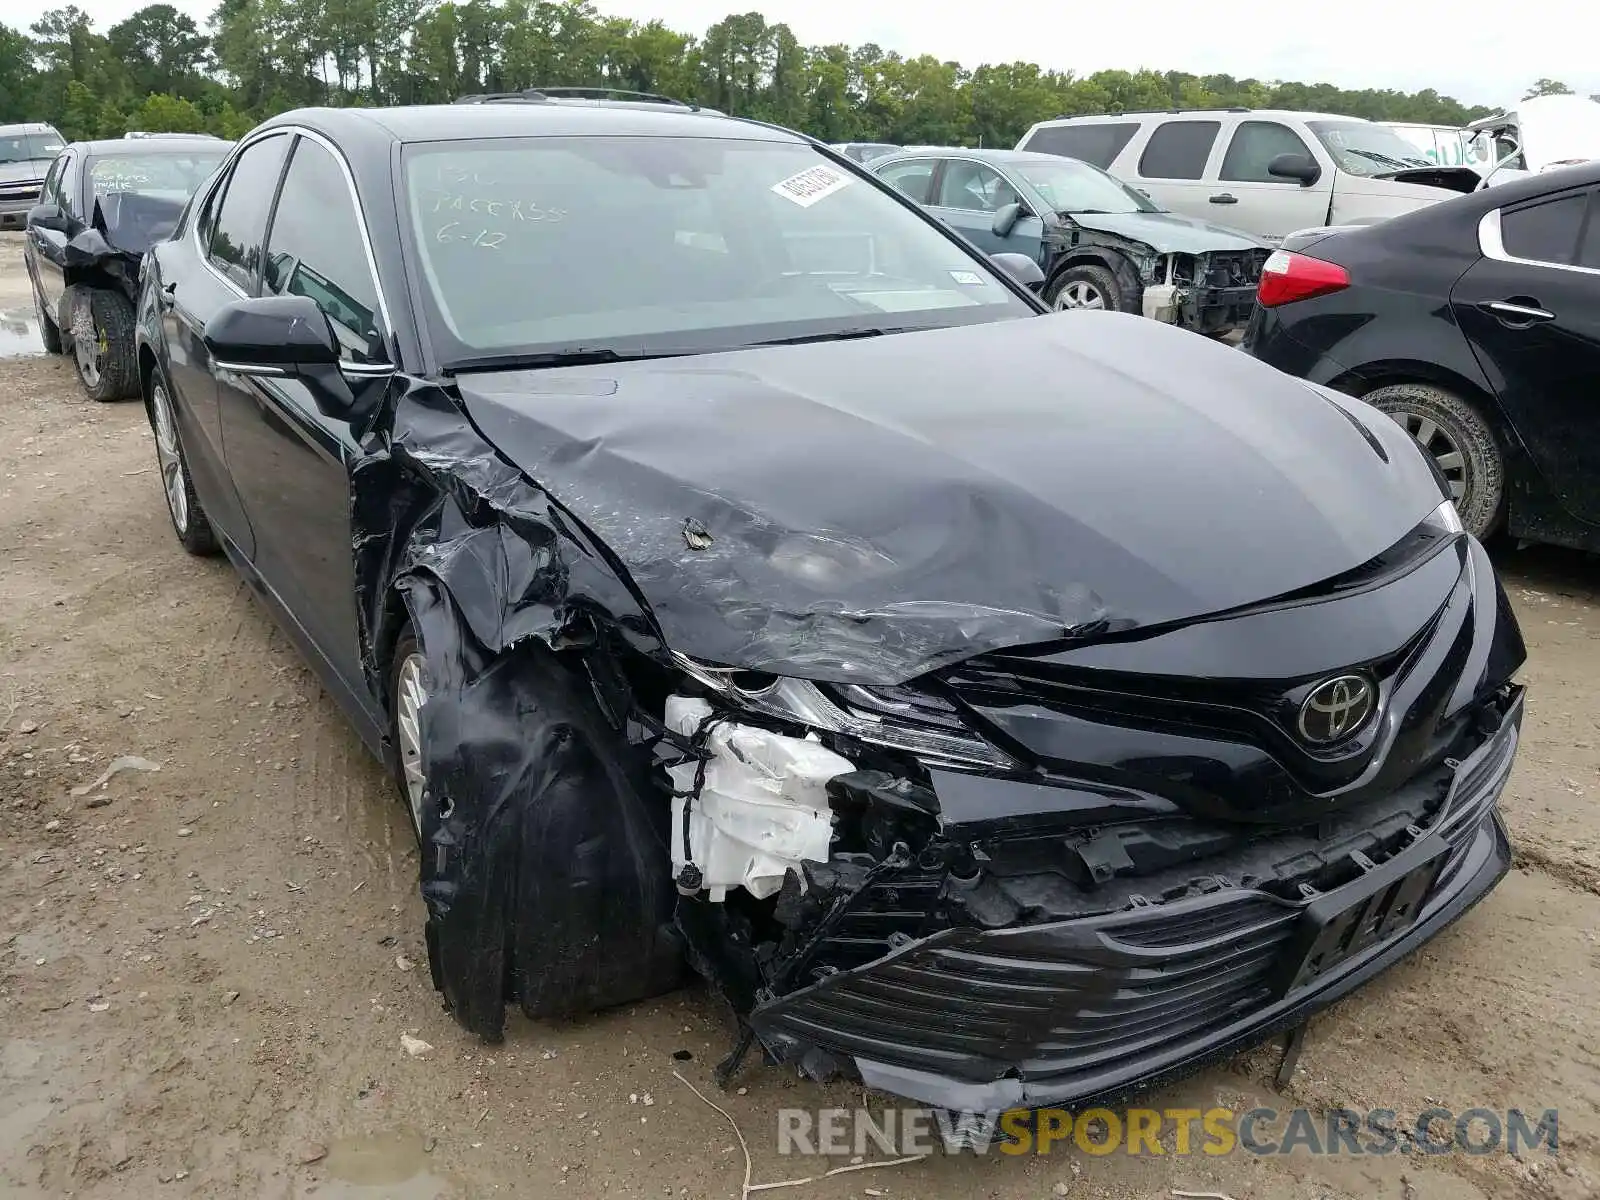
x=1529, y=309
x=1171, y=166
x=1249, y=197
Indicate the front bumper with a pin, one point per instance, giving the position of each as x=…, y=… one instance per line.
x=15, y=206
x=1089, y=1009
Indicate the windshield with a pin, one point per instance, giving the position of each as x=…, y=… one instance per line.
x=167, y=176
x=1362, y=148
x=1076, y=187
x=672, y=245
x=20, y=147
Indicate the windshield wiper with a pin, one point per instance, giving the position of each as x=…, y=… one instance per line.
x=839, y=335
x=577, y=356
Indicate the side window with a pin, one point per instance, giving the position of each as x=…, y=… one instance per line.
x=234, y=241
x=1255, y=144
x=914, y=178
x=66, y=190
x=1098, y=143
x=1589, y=243
x=1546, y=232
x=315, y=249
x=52, y=180
x=1178, y=150
x=974, y=187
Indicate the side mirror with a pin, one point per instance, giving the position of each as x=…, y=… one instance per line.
x=47, y=216
x=282, y=336
x=1295, y=166
x=1021, y=268
x=1005, y=219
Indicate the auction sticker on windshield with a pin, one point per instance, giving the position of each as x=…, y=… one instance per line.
x=811, y=185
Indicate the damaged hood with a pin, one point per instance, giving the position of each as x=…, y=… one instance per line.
x=1168, y=233
x=869, y=510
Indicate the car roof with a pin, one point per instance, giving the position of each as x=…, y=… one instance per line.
x=28, y=127
x=134, y=147
x=554, y=118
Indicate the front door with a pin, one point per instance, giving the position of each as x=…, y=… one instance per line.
x=1261, y=202
x=289, y=461
x=50, y=245
x=1531, y=310
x=969, y=194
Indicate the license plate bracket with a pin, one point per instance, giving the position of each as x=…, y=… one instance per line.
x=1339, y=925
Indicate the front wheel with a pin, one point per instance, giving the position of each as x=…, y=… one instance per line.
x=1454, y=434
x=408, y=691
x=102, y=343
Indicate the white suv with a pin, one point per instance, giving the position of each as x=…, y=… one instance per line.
x=1267, y=172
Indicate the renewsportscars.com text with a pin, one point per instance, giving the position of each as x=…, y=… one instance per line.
x=1167, y=1131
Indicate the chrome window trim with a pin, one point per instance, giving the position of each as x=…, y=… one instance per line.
x=226, y=174
x=1491, y=244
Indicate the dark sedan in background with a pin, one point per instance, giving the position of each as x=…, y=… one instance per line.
x=102, y=205
x=1475, y=323
x=1100, y=243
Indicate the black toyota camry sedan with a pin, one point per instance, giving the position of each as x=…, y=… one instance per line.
x=739, y=572
x=1475, y=323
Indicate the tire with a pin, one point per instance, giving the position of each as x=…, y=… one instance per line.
x=102, y=342
x=1454, y=434
x=1090, y=287
x=189, y=519
x=408, y=690
x=49, y=331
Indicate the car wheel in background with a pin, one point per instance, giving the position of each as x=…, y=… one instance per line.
x=102, y=342
x=49, y=331
x=1453, y=433
x=1084, y=287
x=183, y=506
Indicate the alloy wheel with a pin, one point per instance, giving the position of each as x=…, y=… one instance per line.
x=412, y=695
x=1079, y=293
x=169, y=459
x=1440, y=447
x=88, y=351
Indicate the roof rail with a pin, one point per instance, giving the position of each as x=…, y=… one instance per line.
x=537, y=95
x=1156, y=112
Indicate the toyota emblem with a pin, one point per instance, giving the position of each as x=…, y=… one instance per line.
x=1335, y=709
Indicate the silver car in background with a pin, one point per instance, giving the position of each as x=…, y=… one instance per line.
x=26, y=152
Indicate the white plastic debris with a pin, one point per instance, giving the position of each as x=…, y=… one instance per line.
x=763, y=806
x=128, y=762
x=414, y=1046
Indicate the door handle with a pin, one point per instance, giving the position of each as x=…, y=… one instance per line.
x=1512, y=312
x=1224, y=198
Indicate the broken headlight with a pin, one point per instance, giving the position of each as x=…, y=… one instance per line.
x=897, y=718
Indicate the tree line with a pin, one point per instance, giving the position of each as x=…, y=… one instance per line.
x=159, y=71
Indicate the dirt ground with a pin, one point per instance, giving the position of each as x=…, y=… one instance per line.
x=205, y=971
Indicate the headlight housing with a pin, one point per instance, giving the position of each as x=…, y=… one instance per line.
x=1446, y=518
x=896, y=718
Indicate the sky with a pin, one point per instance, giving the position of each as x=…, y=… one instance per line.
x=1478, y=54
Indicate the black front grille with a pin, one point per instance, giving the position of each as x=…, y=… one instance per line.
x=1079, y=1002
x=1053, y=999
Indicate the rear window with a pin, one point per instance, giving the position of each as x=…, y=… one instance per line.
x=1099, y=142
x=1546, y=232
x=1178, y=150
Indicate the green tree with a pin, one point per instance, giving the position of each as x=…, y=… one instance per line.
x=161, y=48
x=17, y=76
x=1547, y=87
x=163, y=113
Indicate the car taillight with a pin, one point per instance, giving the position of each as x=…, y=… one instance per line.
x=1287, y=277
